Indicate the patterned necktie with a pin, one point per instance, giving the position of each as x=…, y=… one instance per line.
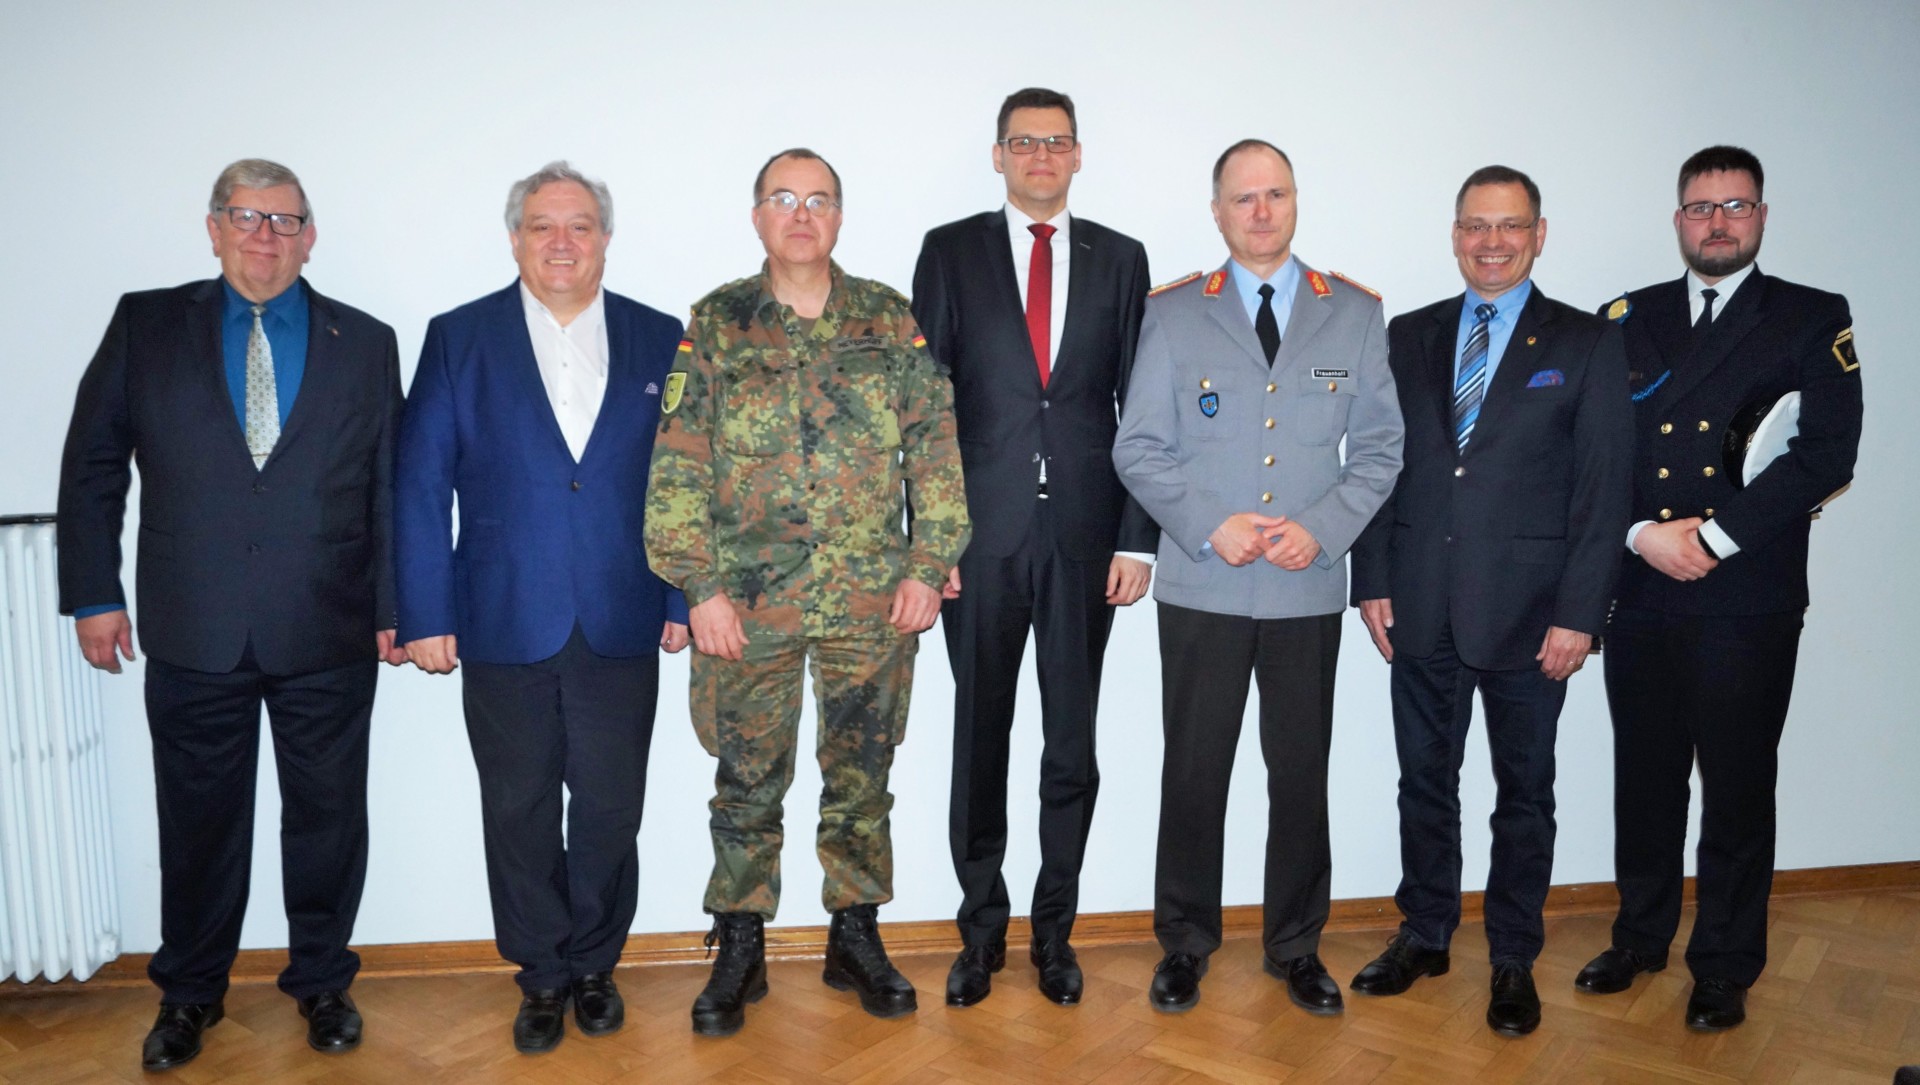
x=1265, y=326
x=1040, y=298
x=1706, y=313
x=263, y=398
x=1470, y=387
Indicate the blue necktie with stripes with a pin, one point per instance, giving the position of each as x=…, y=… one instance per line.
x=1470, y=387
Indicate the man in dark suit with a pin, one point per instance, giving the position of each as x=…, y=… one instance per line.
x=262, y=416
x=1491, y=566
x=1702, y=645
x=536, y=406
x=1035, y=312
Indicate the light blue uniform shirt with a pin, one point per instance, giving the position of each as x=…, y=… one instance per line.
x=1286, y=280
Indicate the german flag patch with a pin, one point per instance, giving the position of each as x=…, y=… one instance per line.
x=686, y=347
x=919, y=341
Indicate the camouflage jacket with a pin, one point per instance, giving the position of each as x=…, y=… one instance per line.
x=787, y=455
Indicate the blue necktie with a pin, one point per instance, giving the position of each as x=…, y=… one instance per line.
x=1470, y=387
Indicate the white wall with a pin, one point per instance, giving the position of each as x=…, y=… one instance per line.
x=407, y=127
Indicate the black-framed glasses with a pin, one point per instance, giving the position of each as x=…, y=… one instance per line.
x=248, y=220
x=1030, y=144
x=787, y=203
x=1489, y=229
x=1702, y=210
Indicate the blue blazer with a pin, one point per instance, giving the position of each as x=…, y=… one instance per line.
x=545, y=543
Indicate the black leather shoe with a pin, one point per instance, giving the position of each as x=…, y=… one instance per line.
x=1613, y=971
x=597, y=1006
x=1515, y=1007
x=1394, y=971
x=1907, y=1075
x=971, y=977
x=1716, y=1005
x=175, y=1037
x=333, y=1022
x=739, y=974
x=1307, y=984
x=1176, y=983
x=857, y=961
x=1060, y=978
x=542, y=1021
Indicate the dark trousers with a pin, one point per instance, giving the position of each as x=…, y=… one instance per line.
x=1064, y=602
x=1205, y=660
x=562, y=905
x=1714, y=689
x=206, y=750
x=1432, y=709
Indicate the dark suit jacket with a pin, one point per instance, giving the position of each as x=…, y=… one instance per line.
x=1523, y=530
x=545, y=543
x=296, y=556
x=1772, y=337
x=967, y=301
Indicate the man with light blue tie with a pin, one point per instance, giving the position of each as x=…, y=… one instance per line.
x=1491, y=565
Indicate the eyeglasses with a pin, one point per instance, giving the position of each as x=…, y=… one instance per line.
x=787, y=203
x=1487, y=229
x=248, y=220
x=1704, y=209
x=1030, y=144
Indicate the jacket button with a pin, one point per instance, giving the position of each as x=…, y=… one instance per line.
x=1268, y=461
x=259, y=489
x=1269, y=423
x=253, y=548
x=1045, y=404
x=1266, y=499
x=1705, y=425
x=1666, y=514
x=576, y=484
x=1333, y=386
x=1709, y=512
x=1271, y=387
x=1707, y=471
x=1205, y=384
x=1459, y=472
x=1666, y=427
x=1663, y=472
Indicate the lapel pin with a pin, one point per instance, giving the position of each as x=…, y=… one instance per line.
x=1531, y=340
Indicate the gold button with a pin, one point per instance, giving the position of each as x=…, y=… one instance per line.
x=1663, y=472
x=1709, y=512
x=1205, y=384
x=1266, y=499
x=1666, y=514
x=1665, y=427
x=1271, y=387
x=1269, y=423
x=1268, y=461
x=1707, y=471
x=1332, y=386
x=1705, y=425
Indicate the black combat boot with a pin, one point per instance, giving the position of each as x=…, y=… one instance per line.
x=856, y=961
x=739, y=974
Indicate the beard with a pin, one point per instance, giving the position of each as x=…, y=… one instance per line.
x=1719, y=267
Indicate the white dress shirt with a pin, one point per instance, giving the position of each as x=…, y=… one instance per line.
x=573, y=364
x=1022, y=241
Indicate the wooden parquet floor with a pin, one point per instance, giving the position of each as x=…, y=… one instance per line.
x=1840, y=1004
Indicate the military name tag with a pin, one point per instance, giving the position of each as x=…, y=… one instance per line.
x=1210, y=404
x=1331, y=374
x=858, y=342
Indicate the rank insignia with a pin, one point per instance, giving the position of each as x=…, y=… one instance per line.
x=1619, y=310
x=676, y=384
x=1843, y=351
x=1319, y=285
x=1210, y=404
x=1181, y=281
x=1214, y=282
x=1362, y=287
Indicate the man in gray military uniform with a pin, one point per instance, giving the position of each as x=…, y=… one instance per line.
x=1245, y=382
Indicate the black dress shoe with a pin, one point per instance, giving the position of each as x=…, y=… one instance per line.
x=1176, y=983
x=542, y=1021
x=1716, y=1005
x=333, y=1022
x=971, y=977
x=1907, y=1075
x=597, y=1006
x=1307, y=984
x=1060, y=978
x=1613, y=971
x=857, y=961
x=1394, y=971
x=1515, y=1007
x=175, y=1037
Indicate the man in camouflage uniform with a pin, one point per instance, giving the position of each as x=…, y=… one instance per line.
x=802, y=413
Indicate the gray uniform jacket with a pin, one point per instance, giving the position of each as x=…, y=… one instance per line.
x=1210, y=431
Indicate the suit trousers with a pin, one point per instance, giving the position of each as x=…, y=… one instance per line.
x=1432, y=710
x=562, y=904
x=206, y=750
x=1064, y=602
x=1205, y=661
x=1713, y=690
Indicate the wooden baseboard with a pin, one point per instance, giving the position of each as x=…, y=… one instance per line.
x=906, y=939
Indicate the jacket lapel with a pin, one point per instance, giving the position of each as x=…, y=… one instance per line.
x=322, y=376
x=1226, y=310
x=997, y=258
x=1080, y=276
x=1309, y=312
x=1743, y=311
x=1441, y=363
x=207, y=360
x=621, y=374
x=1516, y=362
x=509, y=333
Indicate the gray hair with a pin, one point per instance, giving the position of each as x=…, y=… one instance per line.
x=256, y=173
x=557, y=170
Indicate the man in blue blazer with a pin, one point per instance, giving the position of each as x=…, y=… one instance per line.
x=536, y=406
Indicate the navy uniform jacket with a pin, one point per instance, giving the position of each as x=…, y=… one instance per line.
x=1772, y=338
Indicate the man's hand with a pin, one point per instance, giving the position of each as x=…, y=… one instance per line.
x=435, y=655
x=1241, y=538
x=1294, y=547
x=1565, y=651
x=915, y=606
x=951, y=590
x=1378, y=614
x=1674, y=548
x=1127, y=580
x=716, y=628
x=105, y=638
x=674, y=638
x=385, y=649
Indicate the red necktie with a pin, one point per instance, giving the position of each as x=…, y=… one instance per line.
x=1040, y=298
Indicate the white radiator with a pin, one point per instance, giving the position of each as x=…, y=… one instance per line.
x=59, y=911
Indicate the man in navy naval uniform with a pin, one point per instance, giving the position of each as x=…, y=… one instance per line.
x=1702, y=643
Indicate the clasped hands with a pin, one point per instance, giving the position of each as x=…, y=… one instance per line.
x=1249, y=535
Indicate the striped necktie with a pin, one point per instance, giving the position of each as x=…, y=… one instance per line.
x=1470, y=387
x=263, y=397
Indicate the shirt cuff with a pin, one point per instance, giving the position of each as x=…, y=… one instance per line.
x=1135, y=555
x=103, y=608
x=1634, y=533
x=1723, y=545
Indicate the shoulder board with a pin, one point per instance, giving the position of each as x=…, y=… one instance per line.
x=1182, y=281
x=1319, y=284
x=1362, y=287
x=1620, y=310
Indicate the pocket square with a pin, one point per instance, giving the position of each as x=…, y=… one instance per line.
x=1547, y=378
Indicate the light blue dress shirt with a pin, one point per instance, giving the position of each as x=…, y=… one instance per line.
x=1506, y=313
x=1286, y=280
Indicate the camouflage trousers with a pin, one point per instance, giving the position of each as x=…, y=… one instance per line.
x=747, y=715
